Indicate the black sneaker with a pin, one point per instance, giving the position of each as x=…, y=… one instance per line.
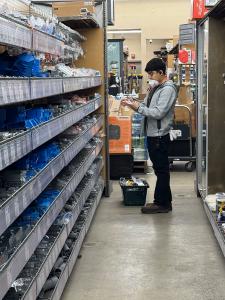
x=151, y=204
x=153, y=208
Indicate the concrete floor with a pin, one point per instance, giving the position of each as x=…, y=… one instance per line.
x=130, y=256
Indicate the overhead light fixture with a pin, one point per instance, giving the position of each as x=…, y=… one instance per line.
x=126, y=31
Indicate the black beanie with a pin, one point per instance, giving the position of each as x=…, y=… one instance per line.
x=155, y=64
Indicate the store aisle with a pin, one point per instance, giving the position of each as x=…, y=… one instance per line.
x=132, y=256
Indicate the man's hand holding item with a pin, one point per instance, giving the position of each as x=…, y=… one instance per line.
x=130, y=103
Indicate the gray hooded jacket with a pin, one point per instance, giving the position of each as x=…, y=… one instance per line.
x=161, y=108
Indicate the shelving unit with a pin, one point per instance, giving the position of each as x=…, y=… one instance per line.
x=13, y=90
x=38, y=280
x=18, y=147
x=80, y=22
x=18, y=90
x=57, y=292
x=13, y=206
x=211, y=92
x=15, y=264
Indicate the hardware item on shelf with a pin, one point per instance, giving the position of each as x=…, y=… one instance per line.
x=220, y=207
x=10, y=196
x=66, y=71
x=15, y=148
x=69, y=253
x=43, y=209
x=40, y=177
x=48, y=35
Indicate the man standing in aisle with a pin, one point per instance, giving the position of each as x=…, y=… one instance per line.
x=158, y=109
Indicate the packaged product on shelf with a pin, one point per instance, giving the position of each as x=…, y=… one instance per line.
x=220, y=207
x=80, y=8
x=119, y=134
x=211, y=202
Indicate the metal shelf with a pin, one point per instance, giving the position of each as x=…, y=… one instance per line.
x=56, y=294
x=17, y=147
x=15, y=90
x=16, y=263
x=15, y=34
x=80, y=22
x=20, y=200
x=43, y=42
x=48, y=130
x=47, y=265
x=71, y=84
x=218, y=234
x=45, y=87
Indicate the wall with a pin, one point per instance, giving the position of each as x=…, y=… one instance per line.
x=158, y=20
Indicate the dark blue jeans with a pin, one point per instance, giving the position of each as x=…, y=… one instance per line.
x=158, y=148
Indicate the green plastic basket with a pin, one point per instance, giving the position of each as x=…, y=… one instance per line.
x=134, y=195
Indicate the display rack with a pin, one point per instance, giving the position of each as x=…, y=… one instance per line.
x=13, y=33
x=14, y=90
x=15, y=264
x=17, y=147
x=80, y=22
x=211, y=92
x=17, y=90
x=57, y=292
x=14, y=206
x=49, y=260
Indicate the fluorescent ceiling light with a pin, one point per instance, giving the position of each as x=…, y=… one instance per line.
x=124, y=31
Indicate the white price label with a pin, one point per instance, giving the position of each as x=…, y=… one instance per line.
x=13, y=153
x=49, y=131
x=48, y=222
x=6, y=156
x=4, y=94
x=17, y=208
x=25, y=201
x=39, y=185
x=37, y=139
x=9, y=277
x=27, y=253
x=18, y=150
x=53, y=173
x=39, y=234
x=7, y=216
x=31, y=191
x=96, y=105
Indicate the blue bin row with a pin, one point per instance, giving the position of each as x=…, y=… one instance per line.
x=24, y=118
x=22, y=65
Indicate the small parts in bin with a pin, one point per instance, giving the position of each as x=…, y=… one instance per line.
x=134, y=191
x=132, y=182
x=220, y=207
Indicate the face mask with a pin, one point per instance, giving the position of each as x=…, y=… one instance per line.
x=153, y=83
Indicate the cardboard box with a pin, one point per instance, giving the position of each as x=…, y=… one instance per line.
x=114, y=106
x=185, y=95
x=62, y=9
x=116, y=109
x=120, y=132
x=126, y=111
x=170, y=61
x=182, y=116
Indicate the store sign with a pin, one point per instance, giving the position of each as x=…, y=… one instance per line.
x=185, y=56
x=199, y=9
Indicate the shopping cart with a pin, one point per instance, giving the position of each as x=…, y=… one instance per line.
x=183, y=148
